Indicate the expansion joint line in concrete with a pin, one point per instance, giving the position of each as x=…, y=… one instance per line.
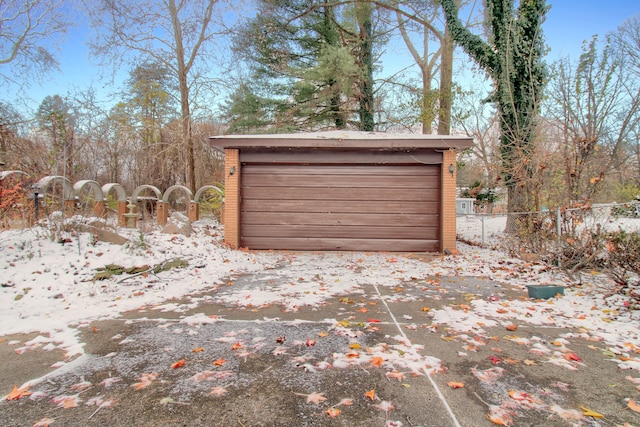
x=428, y=375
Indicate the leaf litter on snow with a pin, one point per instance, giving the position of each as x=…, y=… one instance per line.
x=308, y=280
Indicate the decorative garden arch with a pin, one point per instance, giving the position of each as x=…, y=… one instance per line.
x=163, y=206
x=126, y=206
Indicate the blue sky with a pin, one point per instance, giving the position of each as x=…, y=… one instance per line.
x=568, y=24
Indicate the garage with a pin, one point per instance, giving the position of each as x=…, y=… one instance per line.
x=340, y=191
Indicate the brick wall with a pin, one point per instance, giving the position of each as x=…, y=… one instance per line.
x=232, y=197
x=448, y=208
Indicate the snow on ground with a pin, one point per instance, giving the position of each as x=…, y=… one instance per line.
x=48, y=286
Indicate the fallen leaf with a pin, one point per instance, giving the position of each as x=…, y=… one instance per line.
x=385, y=406
x=145, y=381
x=377, y=361
x=632, y=379
x=309, y=342
x=363, y=310
x=572, y=356
x=108, y=382
x=345, y=402
x=633, y=405
x=44, y=422
x=371, y=394
x=198, y=350
x=17, y=393
x=519, y=395
x=219, y=362
x=315, y=397
x=281, y=340
x=66, y=402
x=355, y=346
x=562, y=386
x=494, y=359
x=82, y=385
x=529, y=362
x=455, y=384
x=236, y=346
x=323, y=334
x=333, y=412
x=500, y=416
x=566, y=414
x=589, y=413
x=512, y=327
x=395, y=374
x=488, y=376
x=217, y=391
x=373, y=321
x=178, y=364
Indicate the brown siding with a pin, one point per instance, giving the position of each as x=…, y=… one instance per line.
x=336, y=206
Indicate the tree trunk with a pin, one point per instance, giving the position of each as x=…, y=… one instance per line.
x=367, y=121
x=446, y=78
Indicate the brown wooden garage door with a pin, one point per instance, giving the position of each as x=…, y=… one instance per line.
x=376, y=207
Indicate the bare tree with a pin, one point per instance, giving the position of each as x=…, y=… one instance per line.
x=27, y=33
x=432, y=63
x=626, y=44
x=596, y=106
x=179, y=35
x=479, y=120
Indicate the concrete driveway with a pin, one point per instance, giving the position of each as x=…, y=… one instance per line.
x=372, y=358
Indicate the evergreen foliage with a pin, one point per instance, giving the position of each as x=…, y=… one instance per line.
x=313, y=64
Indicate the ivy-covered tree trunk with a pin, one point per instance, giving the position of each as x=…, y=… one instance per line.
x=512, y=56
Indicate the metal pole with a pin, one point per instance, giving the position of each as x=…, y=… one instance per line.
x=36, y=205
x=482, y=241
x=559, y=232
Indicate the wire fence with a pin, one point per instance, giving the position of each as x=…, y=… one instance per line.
x=551, y=234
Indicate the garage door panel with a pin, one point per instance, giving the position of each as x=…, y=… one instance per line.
x=337, y=180
x=310, y=169
x=338, y=206
x=347, y=232
x=331, y=193
x=328, y=244
x=370, y=220
x=298, y=157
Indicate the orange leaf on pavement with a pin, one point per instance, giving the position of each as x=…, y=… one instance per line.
x=333, y=412
x=178, y=364
x=371, y=394
x=572, y=356
x=633, y=405
x=455, y=384
x=219, y=362
x=17, y=393
x=377, y=361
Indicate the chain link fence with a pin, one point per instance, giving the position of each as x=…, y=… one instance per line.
x=602, y=237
